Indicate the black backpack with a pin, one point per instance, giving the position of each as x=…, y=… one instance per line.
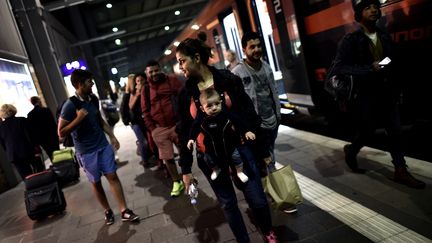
x=339, y=86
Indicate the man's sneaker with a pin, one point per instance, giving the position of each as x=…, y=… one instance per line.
x=109, y=217
x=128, y=215
x=291, y=209
x=271, y=237
x=177, y=188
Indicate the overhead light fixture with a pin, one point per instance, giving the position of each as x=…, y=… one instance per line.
x=114, y=29
x=114, y=70
x=167, y=52
x=177, y=12
x=195, y=27
x=118, y=42
x=167, y=27
x=176, y=43
x=108, y=5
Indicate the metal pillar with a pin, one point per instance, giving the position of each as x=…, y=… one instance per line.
x=41, y=53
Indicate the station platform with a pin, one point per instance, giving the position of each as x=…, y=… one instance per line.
x=338, y=206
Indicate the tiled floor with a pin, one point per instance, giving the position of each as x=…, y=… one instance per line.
x=339, y=206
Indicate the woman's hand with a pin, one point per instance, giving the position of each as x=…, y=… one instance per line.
x=187, y=180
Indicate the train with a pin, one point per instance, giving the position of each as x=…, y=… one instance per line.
x=300, y=38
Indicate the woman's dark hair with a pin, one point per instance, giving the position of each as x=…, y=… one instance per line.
x=190, y=47
x=134, y=81
x=79, y=76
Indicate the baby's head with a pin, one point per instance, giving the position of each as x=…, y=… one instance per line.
x=211, y=102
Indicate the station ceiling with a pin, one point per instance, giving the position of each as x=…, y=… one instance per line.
x=141, y=28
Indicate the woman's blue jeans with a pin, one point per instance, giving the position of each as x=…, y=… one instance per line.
x=142, y=140
x=252, y=190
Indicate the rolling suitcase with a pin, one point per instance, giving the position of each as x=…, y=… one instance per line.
x=43, y=195
x=65, y=166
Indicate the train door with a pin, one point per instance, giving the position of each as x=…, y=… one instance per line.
x=265, y=28
x=232, y=35
x=289, y=48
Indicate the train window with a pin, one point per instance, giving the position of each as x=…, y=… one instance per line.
x=313, y=6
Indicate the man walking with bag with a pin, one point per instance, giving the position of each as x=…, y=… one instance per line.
x=259, y=84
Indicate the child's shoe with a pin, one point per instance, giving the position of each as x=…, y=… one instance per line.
x=243, y=177
x=215, y=174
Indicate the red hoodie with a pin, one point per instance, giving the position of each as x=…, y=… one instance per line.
x=162, y=110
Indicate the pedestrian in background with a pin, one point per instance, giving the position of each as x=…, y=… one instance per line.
x=159, y=107
x=43, y=126
x=376, y=89
x=15, y=138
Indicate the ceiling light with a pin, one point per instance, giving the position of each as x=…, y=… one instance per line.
x=115, y=29
x=118, y=42
x=195, y=27
x=114, y=70
x=108, y=5
x=177, y=12
x=176, y=43
x=167, y=52
x=166, y=27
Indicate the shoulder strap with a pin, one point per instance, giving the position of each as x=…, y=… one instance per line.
x=76, y=102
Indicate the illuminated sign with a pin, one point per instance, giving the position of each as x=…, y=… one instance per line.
x=69, y=67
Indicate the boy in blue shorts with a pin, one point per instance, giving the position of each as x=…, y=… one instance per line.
x=80, y=117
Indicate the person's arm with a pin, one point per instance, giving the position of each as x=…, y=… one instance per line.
x=135, y=96
x=107, y=129
x=146, y=108
x=68, y=121
x=183, y=128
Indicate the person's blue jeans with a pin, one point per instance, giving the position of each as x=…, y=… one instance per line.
x=252, y=190
x=142, y=140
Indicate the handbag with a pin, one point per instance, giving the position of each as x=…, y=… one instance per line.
x=339, y=86
x=283, y=188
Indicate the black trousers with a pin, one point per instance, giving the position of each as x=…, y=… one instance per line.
x=370, y=112
x=29, y=166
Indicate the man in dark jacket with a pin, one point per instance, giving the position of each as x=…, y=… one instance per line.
x=16, y=140
x=43, y=126
x=375, y=103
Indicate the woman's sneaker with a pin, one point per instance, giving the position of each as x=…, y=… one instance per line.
x=109, y=217
x=128, y=215
x=271, y=237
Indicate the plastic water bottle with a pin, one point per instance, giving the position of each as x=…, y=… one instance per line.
x=193, y=191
